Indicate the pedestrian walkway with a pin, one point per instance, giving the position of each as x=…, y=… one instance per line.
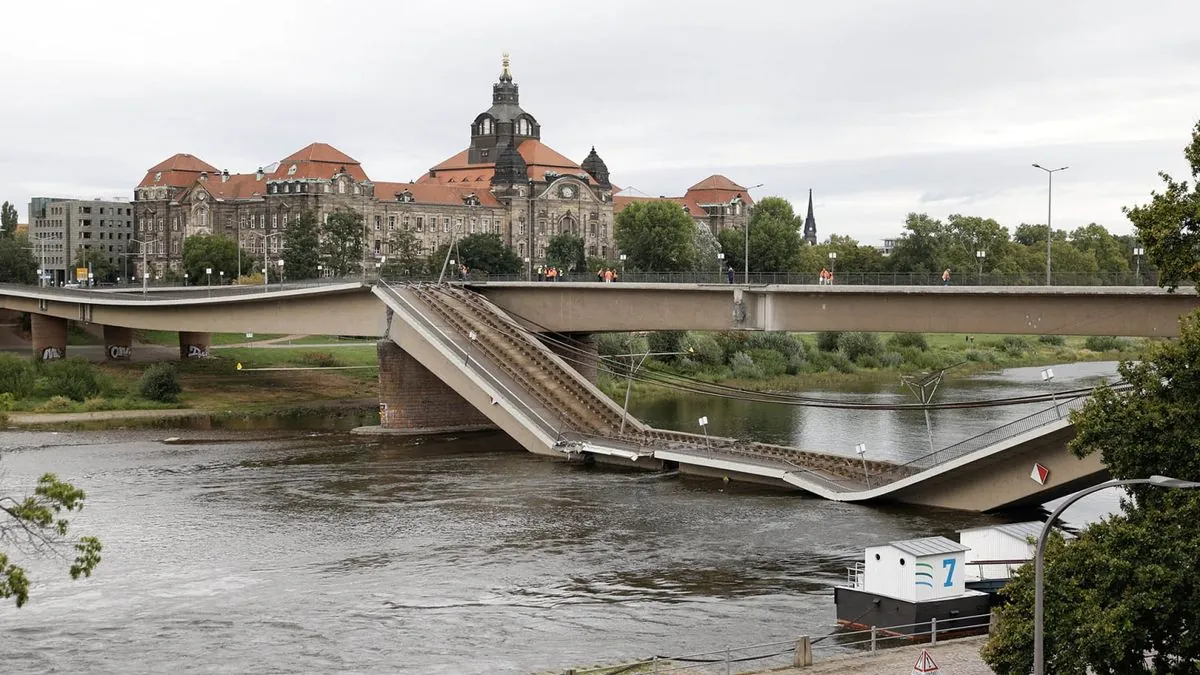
x=953, y=657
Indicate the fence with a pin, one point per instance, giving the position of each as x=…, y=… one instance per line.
x=792, y=278
x=800, y=652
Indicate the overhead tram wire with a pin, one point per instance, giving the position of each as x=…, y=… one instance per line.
x=685, y=384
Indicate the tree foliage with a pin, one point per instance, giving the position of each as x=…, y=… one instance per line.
x=656, y=236
x=301, y=246
x=17, y=264
x=1170, y=224
x=565, y=251
x=38, y=525
x=219, y=253
x=343, y=238
x=95, y=260
x=8, y=220
x=480, y=252
x=1126, y=590
x=404, y=259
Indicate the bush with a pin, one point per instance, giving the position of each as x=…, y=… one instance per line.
x=827, y=341
x=840, y=363
x=796, y=364
x=732, y=342
x=856, y=345
x=744, y=367
x=891, y=359
x=869, y=361
x=769, y=362
x=72, y=378
x=3, y=420
x=610, y=344
x=160, y=383
x=1014, y=345
x=779, y=341
x=666, y=341
x=704, y=348
x=1104, y=343
x=319, y=359
x=1055, y=340
x=977, y=356
x=914, y=340
x=16, y=375
x=55, y=404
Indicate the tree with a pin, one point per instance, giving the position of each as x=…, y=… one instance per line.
x=203, y=252
x=38, y=525
x=1125, y=591
x=1170, y=224
x=565, y=251
x=343, y=239
x=480, y=253
x=922, y=248
x=301, y=246
x=94, y=259
x=404, y=259
x=8, y=220
x=775, y=239
x=656, y=236
x=1112, y=262
x=17, y=264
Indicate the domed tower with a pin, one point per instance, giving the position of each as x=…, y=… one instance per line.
x=510, y=169
x=503, y=123
x=596, y=168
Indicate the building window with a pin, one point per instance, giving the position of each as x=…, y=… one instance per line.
x=483, y=153
x=326, y=188
x=341, y=187
x=391, y=223
x=274, y=220
x=378, y=223
x=458, y=224
x=357, y=189
x=407, y=223
x=420, y=224
x=445, y=224
x=473, y=226
x=541, y=227
x=292, y=170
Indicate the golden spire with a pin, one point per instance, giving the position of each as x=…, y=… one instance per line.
x=504, y=74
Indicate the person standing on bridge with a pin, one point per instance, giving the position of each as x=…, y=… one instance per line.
x=946, y=277
x=729, y=274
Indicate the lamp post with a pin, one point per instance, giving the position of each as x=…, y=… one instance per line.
x=1039, y=665
x=622, y=265
x=208, y=275
x=980, y=255
x=41, y=278
x=266, y=264
x=221, y=278
x=832, y=265
x=746, y=230
x=861, y=449
x=145, y=272
x=528, y=269
x=185, y=279
x=703, y=422
x=1137, y=255
x=1048, y=378
x=281, y=279
x=1049, y=202
x=720, y=264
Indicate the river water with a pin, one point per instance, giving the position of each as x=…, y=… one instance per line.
x=284, y=551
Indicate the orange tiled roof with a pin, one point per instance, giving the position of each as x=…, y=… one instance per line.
x=238, y=186
x=434, y=193
x=717, y=182
x=318, y=160
x=178, y=170
x=538, y=156
x=718, y=196
x=621, y=201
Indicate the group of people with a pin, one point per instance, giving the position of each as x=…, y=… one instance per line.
x=606, y=275
x=549, y=273
x=825, y=278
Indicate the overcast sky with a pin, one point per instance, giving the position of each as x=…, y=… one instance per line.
x=882, y=108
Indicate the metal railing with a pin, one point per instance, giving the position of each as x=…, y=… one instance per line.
x=800, y=652
x=793, y=278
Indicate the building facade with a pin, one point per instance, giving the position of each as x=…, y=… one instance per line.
x=61, y=229
x=507, y=182
x=715, y=202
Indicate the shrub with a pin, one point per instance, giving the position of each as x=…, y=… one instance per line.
x=687, y=366
x=1056, y=340
x=160, y=382
x=3, y=420
x=319, y=359
x=704, y=348
x=731, y=342
x=769, y=362
x=665, y=341
x=95, y=403
x=891, y=359
x=856, y=345
x=16, y=375
x=914, y=340
x=1104, y=343
x=779, y=341
x=744, y=367
x=610, y=344
x=72, y=378
x=55, y=404
x=870, y=361
x=796, y=364
x=1014, y=345
x=827, y=341
x=840, y=363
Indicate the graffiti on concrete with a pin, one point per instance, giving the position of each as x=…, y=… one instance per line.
x=51, y=353
x=196, y=351
x=119, y=351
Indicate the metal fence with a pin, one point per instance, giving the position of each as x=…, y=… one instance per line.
x=792, y=278
x=800, y=652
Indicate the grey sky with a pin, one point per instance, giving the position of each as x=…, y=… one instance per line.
x=881, y=107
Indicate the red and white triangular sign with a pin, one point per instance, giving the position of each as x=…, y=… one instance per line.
x=925, y=664
x=1039, y=474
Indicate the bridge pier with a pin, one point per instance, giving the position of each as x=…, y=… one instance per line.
x=49, y=337
x=118, y=343
x=194, y=345
x=412, y=400
x=579, y=350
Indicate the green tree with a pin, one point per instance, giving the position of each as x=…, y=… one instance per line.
x=1125, y=591
x=480, y=253
x=102, y=270
x=775, y=239
x=921, y=249
x=8, y=220
x=39, y=524
x=219, y=253
x=656, y=236
x=1111, y=260
x=301, y=246
x=17, y=264
x=404, y=259
x=343, y=239
x=565, y=251
x=1170, y=224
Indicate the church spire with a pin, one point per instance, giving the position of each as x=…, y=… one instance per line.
x=810, y=223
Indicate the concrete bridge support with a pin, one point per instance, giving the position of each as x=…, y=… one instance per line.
x=49, y=337
x=118, y=343
x=194, y=345
x=579, y=350
x=413, y=400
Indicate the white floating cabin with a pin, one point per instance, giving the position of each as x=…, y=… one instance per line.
x=901, y=586
x=997, y=552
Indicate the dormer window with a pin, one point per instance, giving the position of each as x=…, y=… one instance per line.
x=158, y=176
x=292, y=170
x=405, y=196
x=471, y=200
x=341, y=187
x=523, y=128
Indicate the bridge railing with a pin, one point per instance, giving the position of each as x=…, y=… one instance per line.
x=793, y=278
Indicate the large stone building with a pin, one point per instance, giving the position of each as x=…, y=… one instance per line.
x=507, y=181
x=715, y=202
x=60, y=229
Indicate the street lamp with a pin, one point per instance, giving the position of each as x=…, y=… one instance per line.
x=1137, y=254
x=208, y=273
x=280, y=263
x=1039, y=553
x=832, y=265
x=980, y=255
x=145, y=273
x=1049, y=201
x=221, y=278
x=266, y=264
x=41, y=278
x=720, y=264
x=622, y=265
x=185, y=279
x=746, y=230
x=861, y=449
x=1048, y=378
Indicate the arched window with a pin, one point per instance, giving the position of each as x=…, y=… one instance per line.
x=567, y=224
x=485, y=126
x=522, y=127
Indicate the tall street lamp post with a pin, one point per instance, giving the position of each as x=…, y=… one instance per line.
x=980, y=255
x=1137, y=256
x=622, y=265
x=746, y=230
x=1049, y=202
x=145, y=273
x=1039, y=661
x=832, y=265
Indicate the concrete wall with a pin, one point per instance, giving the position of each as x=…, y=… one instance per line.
x=49, y=337
x=414, y=400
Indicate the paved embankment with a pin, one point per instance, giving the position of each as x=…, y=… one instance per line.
x=953, y=657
